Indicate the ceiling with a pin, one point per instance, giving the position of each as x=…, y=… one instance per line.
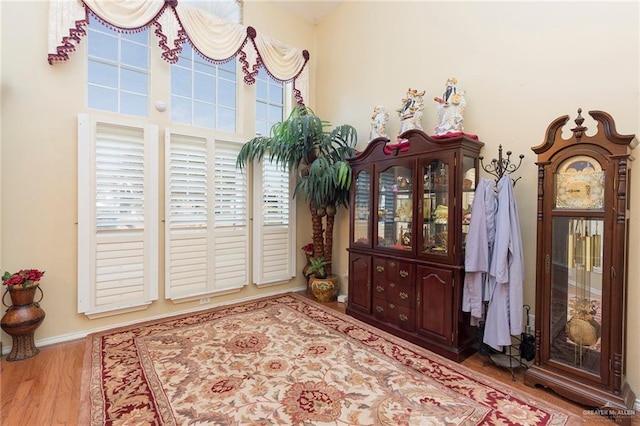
x=312, y=11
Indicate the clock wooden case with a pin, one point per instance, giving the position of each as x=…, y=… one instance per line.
x=581, y=276
x=409, y=215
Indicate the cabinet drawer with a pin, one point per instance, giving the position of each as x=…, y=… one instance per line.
x=402, y=317
x=401, y=272
x=379, y=308
x=403, y=295
x=390, y=270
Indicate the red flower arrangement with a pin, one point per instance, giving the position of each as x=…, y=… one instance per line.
x=24, y=277
x=308, y=249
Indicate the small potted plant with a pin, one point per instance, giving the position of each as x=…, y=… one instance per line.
x=324, y=286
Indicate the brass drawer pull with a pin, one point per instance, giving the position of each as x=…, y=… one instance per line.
x=392, y=285
x=403, y=273
x=392, y=264
x=379, y=288
x=392, y=306
x=403, y=317
x=403, y=295
x=379, y=308
x=380, y=268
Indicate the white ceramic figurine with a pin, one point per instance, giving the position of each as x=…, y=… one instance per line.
x=450, y=109
x=379, y=120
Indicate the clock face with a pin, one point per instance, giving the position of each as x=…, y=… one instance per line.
x=580, y=184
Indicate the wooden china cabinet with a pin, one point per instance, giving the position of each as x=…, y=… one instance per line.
x=581, y=277
x=409, y=215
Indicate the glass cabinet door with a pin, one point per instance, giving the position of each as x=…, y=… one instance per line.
x=361, y=221
x=435, y=207
x=468, y=192
x=395, y=208
x=576, y=292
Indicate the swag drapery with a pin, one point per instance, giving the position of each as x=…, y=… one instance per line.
x=175, y=22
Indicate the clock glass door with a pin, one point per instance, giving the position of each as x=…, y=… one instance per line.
x=576, y=292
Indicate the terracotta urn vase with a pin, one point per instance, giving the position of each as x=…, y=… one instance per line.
x=324, y=289
x=21, y=320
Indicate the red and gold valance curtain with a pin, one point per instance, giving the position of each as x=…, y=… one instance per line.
x=174, y=22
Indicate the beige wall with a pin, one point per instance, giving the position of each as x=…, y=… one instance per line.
x=40, y=104
x=522, y=64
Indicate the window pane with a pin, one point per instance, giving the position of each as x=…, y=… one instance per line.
x=103, y=98
x=133, y=104
x=102, y=45
x=261, y=128
x=261, y=90
x=227, y=94
x=275, y=92
x=135, y=55
x=134, y=81
x=229, y=66
x=275, y=114
x=186, y=56
x=226, y=119
x=261, y=111
x=180, y=81
x=204, y=115
x=204, y=66
x=102, y=74
x=204, y=88
x=180, y=110
x=141, y=37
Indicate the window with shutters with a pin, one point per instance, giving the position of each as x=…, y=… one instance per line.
x=209, y=248
x=274, y=233
x=117, y=215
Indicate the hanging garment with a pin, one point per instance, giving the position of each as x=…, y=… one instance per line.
x=478, y=250
x=504, y=314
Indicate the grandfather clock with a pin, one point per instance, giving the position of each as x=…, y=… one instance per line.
x=581, y=276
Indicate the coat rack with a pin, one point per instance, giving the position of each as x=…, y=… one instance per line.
x=501, y=166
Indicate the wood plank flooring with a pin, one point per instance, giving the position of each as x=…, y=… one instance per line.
x=45, y=389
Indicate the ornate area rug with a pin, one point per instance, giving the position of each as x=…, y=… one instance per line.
x=286, y=360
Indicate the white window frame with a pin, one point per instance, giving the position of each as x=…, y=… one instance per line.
x=120, y=37
x=92, y=300
x=197, y=66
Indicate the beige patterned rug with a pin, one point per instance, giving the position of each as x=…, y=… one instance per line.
x=286, y=360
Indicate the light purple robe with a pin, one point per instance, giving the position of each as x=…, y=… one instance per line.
x=478, y=250
x=504, y=314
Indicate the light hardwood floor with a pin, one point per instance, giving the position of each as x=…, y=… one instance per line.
x=45, y=389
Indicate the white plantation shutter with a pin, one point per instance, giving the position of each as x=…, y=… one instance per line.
x=186, y=216
x=231, y=217
x=206, y=217
x=117, y=215
x=273, y=230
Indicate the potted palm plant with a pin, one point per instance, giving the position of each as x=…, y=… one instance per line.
x=304, y=144
x=324, y=286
